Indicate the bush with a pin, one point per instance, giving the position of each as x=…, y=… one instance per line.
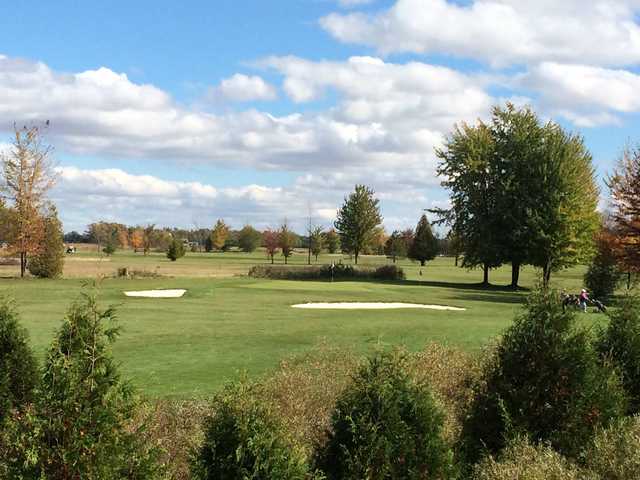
x=620, y=342
x=243, y=440
x=385, y=426
x=326, y=272
x=304, y=390
x=603, y=274
x=175, y=250
x=18, y=369
x=49, y=261
x=545, y=381
x=80, y=425
x=615, y=452
x=523, y=461
x=109, y=249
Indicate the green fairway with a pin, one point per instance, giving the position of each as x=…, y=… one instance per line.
x=191, y=345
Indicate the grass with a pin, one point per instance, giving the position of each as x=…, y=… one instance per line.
x=227, y=323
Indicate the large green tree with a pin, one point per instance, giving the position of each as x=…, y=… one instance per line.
x=249, y=239
x=425, y=245
x=522, y=192
x=465, y=164
x=357, y=219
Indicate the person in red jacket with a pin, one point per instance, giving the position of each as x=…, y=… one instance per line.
x=584, y=299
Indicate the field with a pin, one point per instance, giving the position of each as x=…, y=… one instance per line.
x=228, y=322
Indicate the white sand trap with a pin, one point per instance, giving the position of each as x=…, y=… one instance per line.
x=374, y=306
x=157, y=293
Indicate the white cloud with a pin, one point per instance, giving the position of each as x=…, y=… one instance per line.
x=243, y=88
x=588, y=96
x=85, y=196
x=500, y=32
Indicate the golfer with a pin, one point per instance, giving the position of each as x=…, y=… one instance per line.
x=584, y=298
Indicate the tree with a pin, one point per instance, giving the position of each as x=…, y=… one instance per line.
x=19, y=373
x=80, y=425
x=219, y=234
x=603, y=274
x=396, y=246
x=624, y=185
x=357, y=218
x=27, y=176
x=109, y=248
x=332, y=240
x=175, y=250
x=377, y=241
x=49, y=260
x=521, y=192
x=425, y=245
x=137, y=239
x=249, y=239
x=286, y=241
x=546, y=381
x=147, y=238
x=271, y=242
x=563, y=202
x=316, y=242
x=465, y=165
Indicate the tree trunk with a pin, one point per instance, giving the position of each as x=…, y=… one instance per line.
x=422, y=263
x=515, y=274
x=309, y=254
x=271, y=259
x=485, y=276
x=456, y=260
x=546, y=275
x=355, y=254
x=23, y=263
x=285, y=259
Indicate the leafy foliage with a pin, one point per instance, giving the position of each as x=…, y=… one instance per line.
x=219, y=234
x=620, y=343
x=545, y=381
x=49, y=260
x=326, y=272
x=18, y=369
x=625, y=194
x=425, y=245
x=271, y=242
x=396, y=246
x=316, y=241
x=523, y=461
x=286, y=241
x=249, y=239
x=603, y=275
x=357, y=218
x=332, y=240
x=385, y=426
x=175, y=250
x=243, y=440
x=521, y=192
x=615, y=452
x=79, y=426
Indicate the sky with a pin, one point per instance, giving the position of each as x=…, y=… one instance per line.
x=180, y=113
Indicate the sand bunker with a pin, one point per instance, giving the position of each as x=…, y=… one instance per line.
x=157, y=293
x=374, y=306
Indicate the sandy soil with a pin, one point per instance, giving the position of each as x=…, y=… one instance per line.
x=373, y=306
x=157, y=293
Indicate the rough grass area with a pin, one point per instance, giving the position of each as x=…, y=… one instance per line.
x=187, y=347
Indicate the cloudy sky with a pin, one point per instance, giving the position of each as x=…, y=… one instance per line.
x=179, y=113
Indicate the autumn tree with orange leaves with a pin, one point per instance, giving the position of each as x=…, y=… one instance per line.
x=624, y=185
x=27, y=176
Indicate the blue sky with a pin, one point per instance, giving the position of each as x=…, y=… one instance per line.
x=179, y=113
